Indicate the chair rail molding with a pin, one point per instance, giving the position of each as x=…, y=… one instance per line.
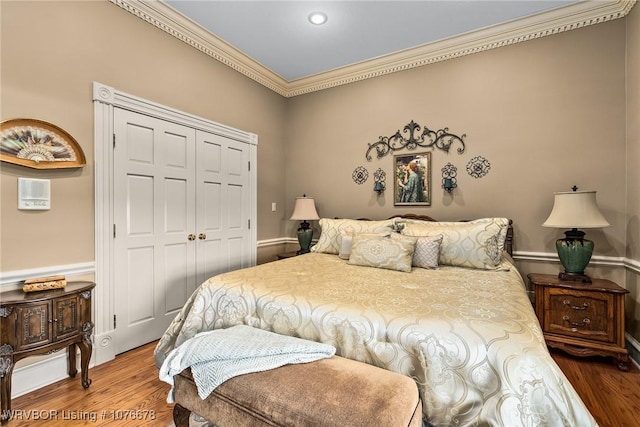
x=15, y=277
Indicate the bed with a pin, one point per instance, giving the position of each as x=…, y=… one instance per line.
x=463, y=329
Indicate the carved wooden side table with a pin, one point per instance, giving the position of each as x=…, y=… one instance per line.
x=44, y=322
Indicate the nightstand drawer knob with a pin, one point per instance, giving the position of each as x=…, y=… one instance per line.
x=584, y=322
x=576, y=307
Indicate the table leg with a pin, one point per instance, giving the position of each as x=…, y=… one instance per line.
x=85, y=353
x=72, y=370
x=6, y=369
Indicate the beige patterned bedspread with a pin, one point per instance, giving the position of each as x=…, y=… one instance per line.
x=468, y=337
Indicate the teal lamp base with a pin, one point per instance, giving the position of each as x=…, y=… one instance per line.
x=575, y=253
x=305, y=234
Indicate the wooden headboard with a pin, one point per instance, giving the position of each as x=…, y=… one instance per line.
x=508, y=243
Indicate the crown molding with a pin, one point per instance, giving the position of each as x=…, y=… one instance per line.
x=570, y=17
x=166, y=18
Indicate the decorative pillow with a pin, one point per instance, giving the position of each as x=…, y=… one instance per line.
x=427, y=252
x=382, y=252
x=474, y=244
x=331, y=229
x=345, y=245
x=347, y=238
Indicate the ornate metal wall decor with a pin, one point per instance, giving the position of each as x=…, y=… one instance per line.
x=478, y=167
x=449, y=180
x=380, y=178
x=360, y=175
x=441, y=139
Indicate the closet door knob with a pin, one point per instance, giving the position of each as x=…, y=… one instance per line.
x=191, y=237
x=202, y=236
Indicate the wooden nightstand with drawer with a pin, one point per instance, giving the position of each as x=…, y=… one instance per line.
x=582, y=319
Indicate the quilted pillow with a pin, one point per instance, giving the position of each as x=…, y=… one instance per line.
x=331, y=229
x=382, y=252
x=474, y=244
x=427, y=252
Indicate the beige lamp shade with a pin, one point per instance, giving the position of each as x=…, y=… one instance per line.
x=575, y=209
x=304, y=209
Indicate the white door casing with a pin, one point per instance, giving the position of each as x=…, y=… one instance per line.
x=240, y=215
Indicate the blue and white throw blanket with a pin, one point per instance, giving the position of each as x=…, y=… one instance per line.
x=215, y=356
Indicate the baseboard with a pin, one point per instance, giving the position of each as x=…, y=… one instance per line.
x=634, y=349
x=44, y=372
x=104, y=347
x=33, y=376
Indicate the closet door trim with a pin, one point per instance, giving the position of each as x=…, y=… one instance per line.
x=105, y=99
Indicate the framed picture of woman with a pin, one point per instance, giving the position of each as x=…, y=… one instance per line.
x=412, y=183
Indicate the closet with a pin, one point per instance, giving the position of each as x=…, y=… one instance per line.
x=181, y=193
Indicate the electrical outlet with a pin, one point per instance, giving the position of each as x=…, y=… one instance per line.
x=273, y=207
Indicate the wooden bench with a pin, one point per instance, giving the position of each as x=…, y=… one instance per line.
x=328, y=392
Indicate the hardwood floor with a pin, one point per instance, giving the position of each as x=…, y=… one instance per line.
x=128, y=388
x=612, y=396
x=124, y=392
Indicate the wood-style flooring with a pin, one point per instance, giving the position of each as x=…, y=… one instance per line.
x=127, y=392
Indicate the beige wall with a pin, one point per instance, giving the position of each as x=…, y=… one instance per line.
x=548, y=113
x=633, y=172
x=51, y=53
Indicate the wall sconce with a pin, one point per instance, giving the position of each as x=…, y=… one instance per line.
x=449, y=181
x=379, y=178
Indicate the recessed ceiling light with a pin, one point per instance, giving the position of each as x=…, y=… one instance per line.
x=318, y=18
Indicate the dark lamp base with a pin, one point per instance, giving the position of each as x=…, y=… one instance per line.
x=305, y=234
x=574, y=252
x=574, y=277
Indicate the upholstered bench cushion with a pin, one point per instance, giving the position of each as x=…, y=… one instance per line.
x=328, y=392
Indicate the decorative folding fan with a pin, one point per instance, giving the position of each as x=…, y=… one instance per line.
x=38, y=144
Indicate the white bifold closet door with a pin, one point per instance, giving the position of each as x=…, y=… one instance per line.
x=181, y=203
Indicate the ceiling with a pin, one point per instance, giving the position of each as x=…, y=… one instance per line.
x=273, y=43
x=279, y=36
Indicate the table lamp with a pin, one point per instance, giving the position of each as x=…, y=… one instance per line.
x=304, y=210
x=575, y=209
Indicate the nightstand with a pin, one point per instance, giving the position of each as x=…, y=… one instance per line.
x=285, y=255
x=582, y=319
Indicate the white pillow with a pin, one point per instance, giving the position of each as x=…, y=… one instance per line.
x=345, y=245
